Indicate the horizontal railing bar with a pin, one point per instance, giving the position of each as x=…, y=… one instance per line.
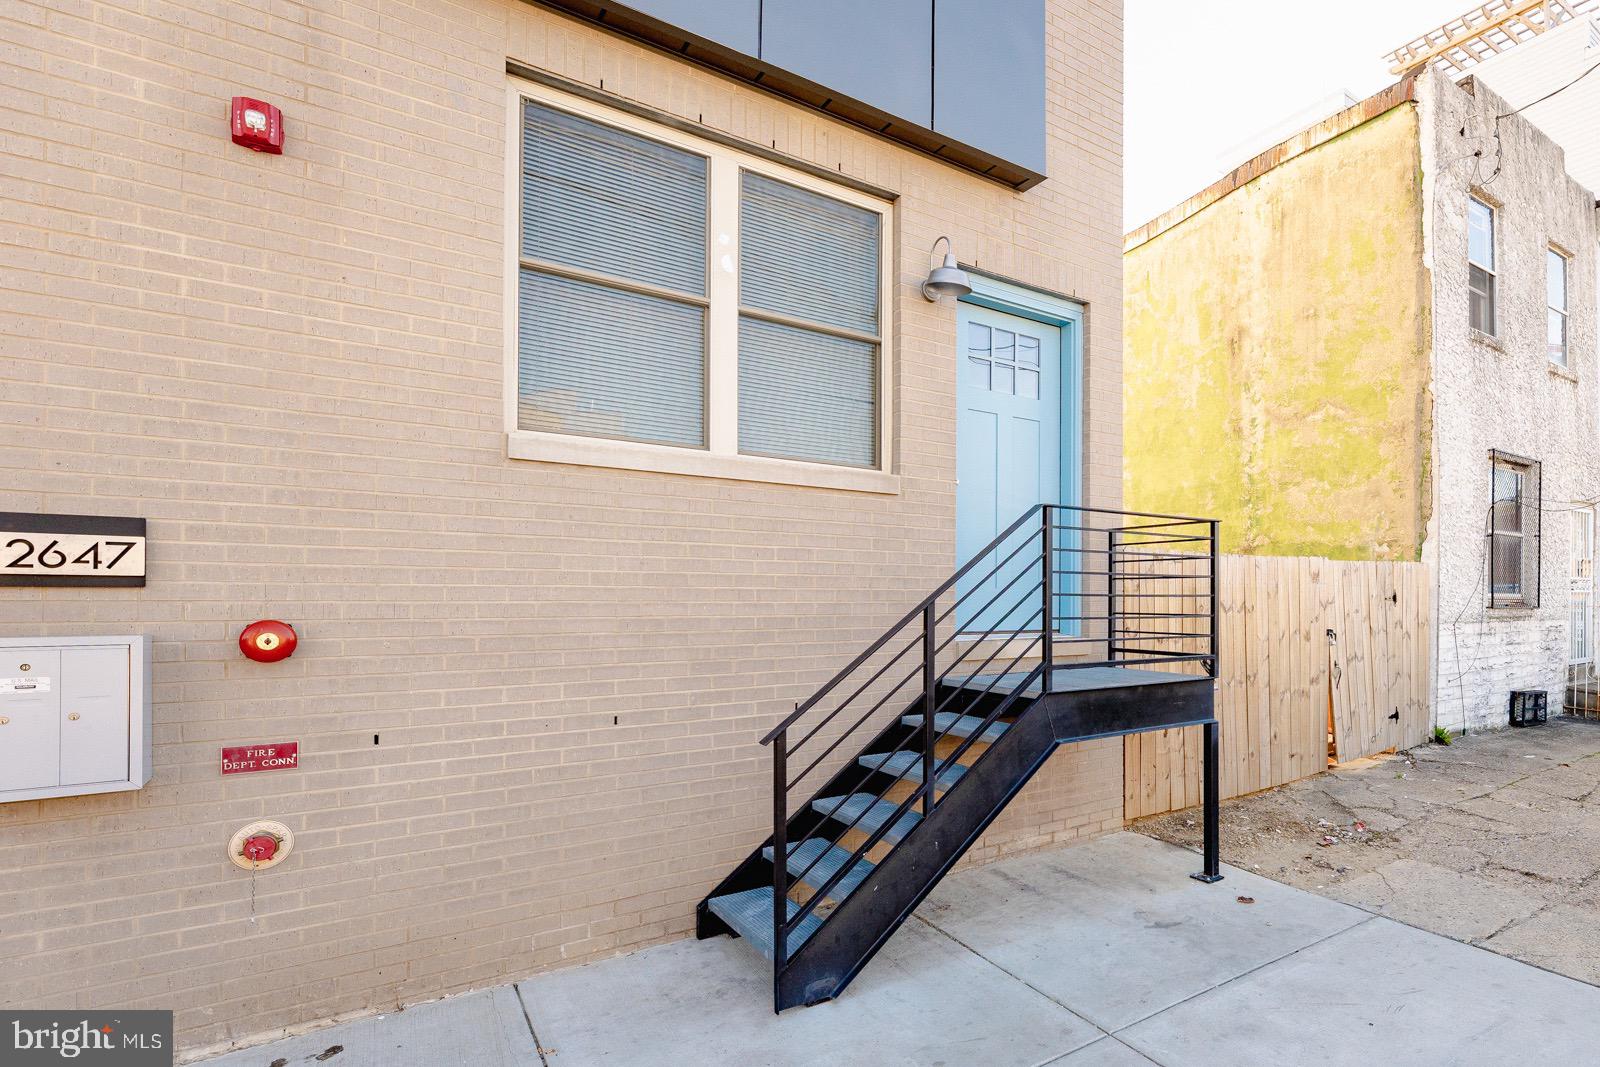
x=1109, y=530
x=897, y=627
x=891, y=661
x=1177, y=519
x=1135, y=596
x=1137, y=615
x=958, y=635
x=984, y=665
x=870, y=712
x=1203, y=636
x=1155, y=657
x=1160, y=525
x=1128, y=578
x=992, y=571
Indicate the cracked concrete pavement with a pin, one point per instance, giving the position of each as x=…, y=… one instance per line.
x=1491, y=840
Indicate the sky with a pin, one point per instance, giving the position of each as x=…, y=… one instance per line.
x=1204, y=78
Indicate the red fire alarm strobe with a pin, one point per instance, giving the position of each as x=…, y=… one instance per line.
x=268, y=641
x=257, y=125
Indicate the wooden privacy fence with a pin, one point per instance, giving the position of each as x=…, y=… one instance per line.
x=1319, y=659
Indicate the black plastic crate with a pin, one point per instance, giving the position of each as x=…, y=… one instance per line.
x=1529, y=707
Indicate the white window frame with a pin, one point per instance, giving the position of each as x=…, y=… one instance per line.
x=1494, y=254
x=1528, y=473
x=720, y=458
x=1565, y=360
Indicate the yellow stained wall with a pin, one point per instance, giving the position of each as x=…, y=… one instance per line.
x=1277, y=347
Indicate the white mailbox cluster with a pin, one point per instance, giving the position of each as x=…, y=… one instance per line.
x=74, y=716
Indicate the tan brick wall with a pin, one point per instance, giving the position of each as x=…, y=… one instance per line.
x=292, y=365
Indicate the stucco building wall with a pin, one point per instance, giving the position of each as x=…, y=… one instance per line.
x=1277, y=354
x=293, y=367
x=1504, y=394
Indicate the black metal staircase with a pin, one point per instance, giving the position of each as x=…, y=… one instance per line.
x=1074, y=623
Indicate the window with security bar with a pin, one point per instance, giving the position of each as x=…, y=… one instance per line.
x=1514, y=531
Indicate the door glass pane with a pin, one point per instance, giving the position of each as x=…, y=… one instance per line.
x=1028, y=383
x=1005, y=378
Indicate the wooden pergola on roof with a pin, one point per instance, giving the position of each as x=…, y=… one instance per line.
x=1464, y=42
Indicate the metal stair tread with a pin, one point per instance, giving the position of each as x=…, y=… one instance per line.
x=956, y=725
x=908, y=765
x=805, y=855
x=872, y=811
x=750, y=915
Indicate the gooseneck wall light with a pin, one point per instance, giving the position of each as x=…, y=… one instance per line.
x=948, y=278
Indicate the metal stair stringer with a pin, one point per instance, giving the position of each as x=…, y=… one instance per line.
x=854, y=932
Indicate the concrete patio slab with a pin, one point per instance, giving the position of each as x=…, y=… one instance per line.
x=483, y=1029
x=1381, y=993
x=1102, y=955
x=923, y=1000
x=1117, y=931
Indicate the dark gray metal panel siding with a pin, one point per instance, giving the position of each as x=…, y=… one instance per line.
x=878, y=51
x=988, y=77
x=734, y=23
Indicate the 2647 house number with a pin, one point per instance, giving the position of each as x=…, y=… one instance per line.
x=71, y=550
x=53, y=556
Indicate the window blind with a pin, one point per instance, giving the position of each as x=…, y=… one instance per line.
x=609, y=201
x=607, y=360
x=609, y=363
x=807, y=255
x=807, y=394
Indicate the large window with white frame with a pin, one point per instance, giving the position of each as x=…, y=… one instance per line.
x=1556, y=307
x=1481, y=277
x=674, y=294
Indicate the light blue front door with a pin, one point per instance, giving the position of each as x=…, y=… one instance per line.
x=1010, y=400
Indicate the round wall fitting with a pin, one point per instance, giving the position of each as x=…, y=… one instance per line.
x=261, y=845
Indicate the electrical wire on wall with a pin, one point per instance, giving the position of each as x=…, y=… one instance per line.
x=1499, y=150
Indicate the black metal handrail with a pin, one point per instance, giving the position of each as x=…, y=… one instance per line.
x=1063, y=593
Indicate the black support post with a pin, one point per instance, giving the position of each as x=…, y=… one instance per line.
x=1212, y=870
x=1049, y=558
x=780, y=863
x=929, y=686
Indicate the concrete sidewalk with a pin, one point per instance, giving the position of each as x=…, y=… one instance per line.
x=1103, y=955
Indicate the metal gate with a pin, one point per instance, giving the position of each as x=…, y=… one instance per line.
x=1582, y=692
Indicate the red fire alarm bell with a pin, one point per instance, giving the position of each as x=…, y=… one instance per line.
x=257, y=125
x=268, y=641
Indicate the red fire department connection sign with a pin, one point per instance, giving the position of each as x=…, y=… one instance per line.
x=282, y=756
